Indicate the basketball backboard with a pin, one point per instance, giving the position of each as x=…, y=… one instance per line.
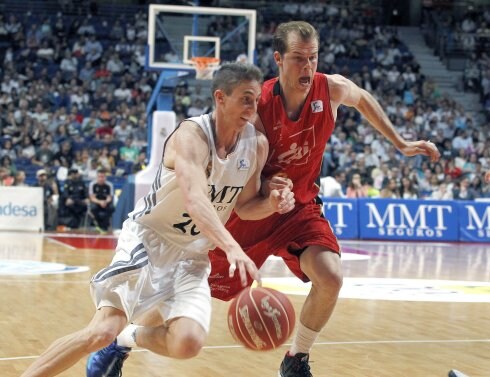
x=178, y=33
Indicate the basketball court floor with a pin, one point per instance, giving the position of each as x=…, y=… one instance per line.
x=406, y=309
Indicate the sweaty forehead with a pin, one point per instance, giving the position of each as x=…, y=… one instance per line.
x=250, y=87
x=298, y=45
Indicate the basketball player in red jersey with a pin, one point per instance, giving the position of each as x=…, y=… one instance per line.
x=297, y=112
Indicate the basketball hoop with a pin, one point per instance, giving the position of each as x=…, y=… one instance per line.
x=205, y=66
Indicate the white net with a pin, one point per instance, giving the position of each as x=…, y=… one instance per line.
x=205, y=67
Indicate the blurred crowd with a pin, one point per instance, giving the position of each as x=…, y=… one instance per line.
x=74, y=90
x=466, y=34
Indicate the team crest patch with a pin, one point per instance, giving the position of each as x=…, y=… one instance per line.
x=243, y=164
x=317, y=106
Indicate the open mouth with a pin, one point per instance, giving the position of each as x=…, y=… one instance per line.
x=305, y=80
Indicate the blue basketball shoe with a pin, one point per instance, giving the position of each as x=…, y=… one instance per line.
x=107, y=362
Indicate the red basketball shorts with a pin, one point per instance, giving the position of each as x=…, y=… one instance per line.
x=285, y=236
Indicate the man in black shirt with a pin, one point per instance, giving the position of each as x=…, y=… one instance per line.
x=101, y=194
x=74, y=201
x=50, y=193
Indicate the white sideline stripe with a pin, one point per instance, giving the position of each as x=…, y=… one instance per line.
x=61, y=243
x=79, y=235
x=360, y=342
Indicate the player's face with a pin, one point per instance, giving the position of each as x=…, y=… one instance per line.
x=241, y=105
x=299, y=64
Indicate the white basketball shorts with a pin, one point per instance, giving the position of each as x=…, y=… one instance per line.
x=147, y=272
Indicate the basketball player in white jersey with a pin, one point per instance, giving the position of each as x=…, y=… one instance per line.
x=211, y=165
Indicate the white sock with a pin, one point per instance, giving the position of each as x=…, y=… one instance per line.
x=127, y=337
x=303, y=340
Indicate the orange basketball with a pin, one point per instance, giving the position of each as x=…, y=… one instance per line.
x=260, y=318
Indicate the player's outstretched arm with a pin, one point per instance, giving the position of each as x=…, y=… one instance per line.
x=187, y=150
x=344, y=91
x=251, y=204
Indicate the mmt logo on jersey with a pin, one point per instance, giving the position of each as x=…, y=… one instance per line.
x=392, y=219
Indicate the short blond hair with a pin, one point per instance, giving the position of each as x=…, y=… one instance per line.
x=305, y=30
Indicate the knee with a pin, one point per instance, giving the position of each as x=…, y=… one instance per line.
x=327, y=277
x=187, y=345
x=99, y=338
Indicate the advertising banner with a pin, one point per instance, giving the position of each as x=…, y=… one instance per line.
x=343, y=217
x=392, y=219
x=21, y=208
x=474, y=221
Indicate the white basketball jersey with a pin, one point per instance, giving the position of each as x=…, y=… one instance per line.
x=162, y=209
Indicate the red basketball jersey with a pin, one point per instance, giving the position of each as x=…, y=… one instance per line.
x=296, y=147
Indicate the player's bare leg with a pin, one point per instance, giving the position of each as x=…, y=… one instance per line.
x=181, y=338
x=65, y=352
x=323, y=267
x=324, y=270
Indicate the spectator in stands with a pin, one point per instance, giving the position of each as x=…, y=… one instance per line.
x=92, y=169
x=46, y=52
x=86, y=28
x=93, y=50
x=50, y=198
x=208, y=105
x=371, y=191
x=328, y=163
x=356, y=188
x=7, y=163
x=331, y=186
x=105, y=160
x=451, y=170
x=181, y=95
x=196, y=109
x=407, y=189
x=462, y=140
x=463, y=190
x=123, y=131
x=90, y=124
x=477, y=185
x=5, y=178
x=44, y=156
x=87, y=73
x=74, y=200
x=101, y=195
x=140, y=163
x=26, y=149
x=115, y=65
x=123, y=93
x=140, y=132
x=80, y=161
x=129, y=152
x=390, y=189
x=8, y=149
x=442, y=193
x=371, y=158
x=65, y=155
x=69, y=65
